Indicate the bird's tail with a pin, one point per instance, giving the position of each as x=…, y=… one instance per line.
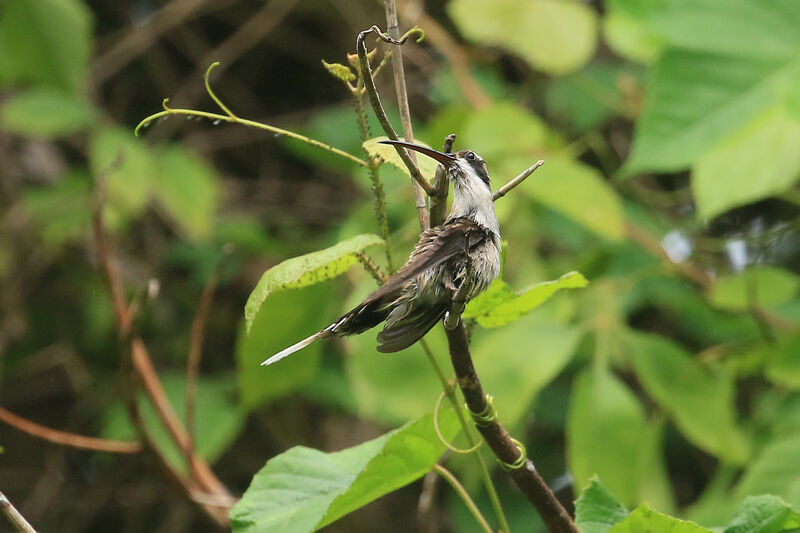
x=297, y=346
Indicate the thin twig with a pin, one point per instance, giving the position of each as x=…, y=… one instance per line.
x=370, y=266
x=14, y=516
x=464, y=495
x=68, y=439
x=393, y=29
x=197, y=337
x=502, y=191
x=250, y=123
x=142, y=365
x=377, y=107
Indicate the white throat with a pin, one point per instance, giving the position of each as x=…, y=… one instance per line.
x=472, y=198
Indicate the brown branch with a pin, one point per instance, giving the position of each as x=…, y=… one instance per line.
x=14, y=516
x=203, y=478
x=377, y=107
x=527, y=479
x=68, y=439
x=197, y=337
x=502, y=191
x=140, y=39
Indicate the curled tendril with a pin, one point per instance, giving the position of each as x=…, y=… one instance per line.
x=439, y=431
x=211, y=93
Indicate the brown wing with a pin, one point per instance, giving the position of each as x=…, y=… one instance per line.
x=436, y=245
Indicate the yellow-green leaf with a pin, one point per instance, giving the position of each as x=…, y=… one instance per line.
x=306, y=270
x=767, y=287
x=499, y=305
x=557, y=36
x=388, y=153
x=45, y=113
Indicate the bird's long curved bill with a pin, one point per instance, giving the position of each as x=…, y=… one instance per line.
x=441, y=157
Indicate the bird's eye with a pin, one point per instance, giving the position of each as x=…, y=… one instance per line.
x=471, y=156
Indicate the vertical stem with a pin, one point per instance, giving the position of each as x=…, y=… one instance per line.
x=440, y=185
x=393, y=29
x=373, y=168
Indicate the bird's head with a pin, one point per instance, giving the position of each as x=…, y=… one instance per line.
x=465, y=167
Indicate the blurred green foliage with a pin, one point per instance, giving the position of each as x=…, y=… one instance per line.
x=670, y=131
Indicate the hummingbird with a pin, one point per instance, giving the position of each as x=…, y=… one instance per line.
x=465, y=248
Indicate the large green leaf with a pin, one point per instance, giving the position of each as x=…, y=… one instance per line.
x=774, y=470
x=218, y=418
x=764, y=514
x=608, y=436
x=303, y=489
x=187, y=189
x=689, y=108
x=283, y=319
x=427, y=166
x=783, y=364
x=596, y=511
x=62, y=210
x=499, y=305
x=763, y=286
x=307, y=270
x=628, y=29
x=503, y=129
x=45, y=113
x=46, y=41
x=580, y=193
x=759, y=160
x=699, y=400
x=517, y=361
x=125, y=166
x=643, y=519
x=557, y=36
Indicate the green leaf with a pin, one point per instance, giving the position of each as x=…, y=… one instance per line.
x=783, y=365
x=519, y=360
x=126, y=167
x=307, y=270
x=588, y=98
x=643, y=519
x=45, y=113
x=62, y=210
x=427, y=166
x=218, y=418
x=758, y=160
x=580, y=193
x=283, y=319
x=339, y=71
x=557, y=36
x=303, y=489
x=596, y=510
x=699, y=400
x=628, y=30
x=499, y=305
x=690, y=108
x=773, y=470
x=606, y=436
x=187, y=189
x=770, y=287
x=764, y=514
x=47, y=41
x=504, y=129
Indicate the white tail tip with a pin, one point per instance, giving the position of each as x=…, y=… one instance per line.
x=293, y=348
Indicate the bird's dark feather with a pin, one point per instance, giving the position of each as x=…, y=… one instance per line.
x=436, y=245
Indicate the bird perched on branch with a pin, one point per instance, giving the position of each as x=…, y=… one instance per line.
x=460, y=256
